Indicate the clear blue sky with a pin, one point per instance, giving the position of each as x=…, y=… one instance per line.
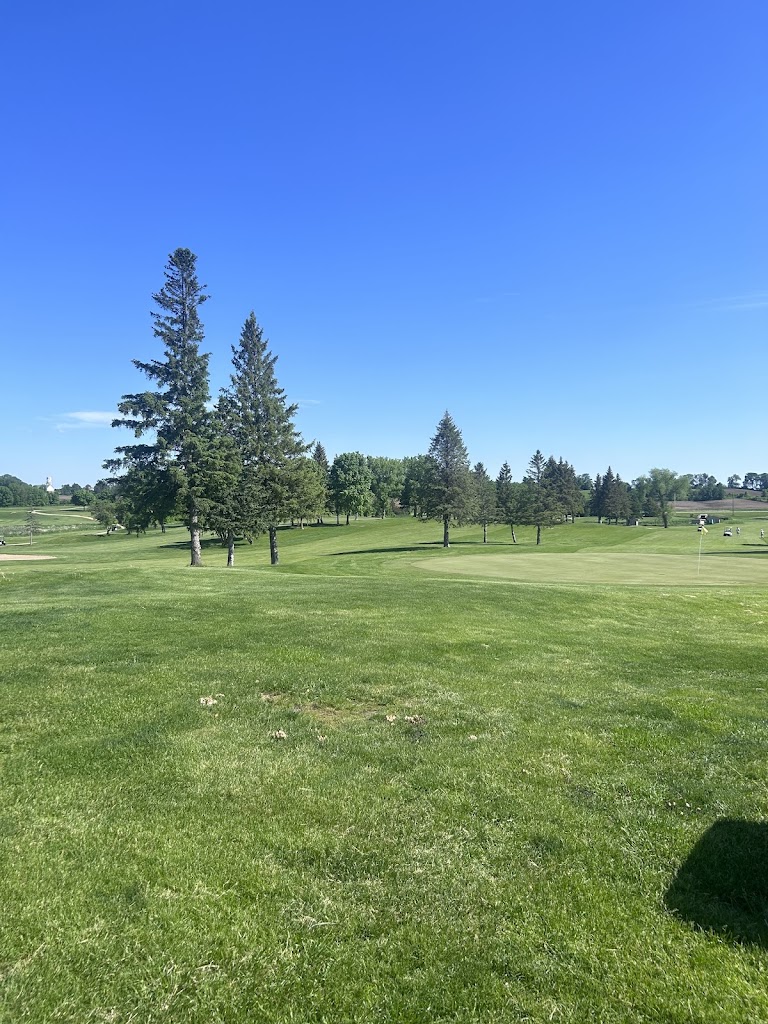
x=547, y=218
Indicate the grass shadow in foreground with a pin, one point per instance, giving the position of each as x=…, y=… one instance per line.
x=722, y=886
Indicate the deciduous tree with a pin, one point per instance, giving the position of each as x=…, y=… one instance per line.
x=350, y=484
x=415, y=493
x=752, y=481
x=387, y=478
x=663, y=487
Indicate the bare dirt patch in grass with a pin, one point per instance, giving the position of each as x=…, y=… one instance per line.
x=327, y=714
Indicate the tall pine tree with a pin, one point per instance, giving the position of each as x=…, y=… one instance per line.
x=514, y=500
x=257, y=417
x=486, y=510
x=319, y=456
x=545, y=507
x=176, y=412
x=450, y=494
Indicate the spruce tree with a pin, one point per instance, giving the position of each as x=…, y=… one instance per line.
x=596, y=498
x=564, y=483
x=486, y=510
x=513, y=500
x=450, y=494
x=319, y=456
x=255, y=414
x=176, y=413
x=545, y=507
x=307, y=490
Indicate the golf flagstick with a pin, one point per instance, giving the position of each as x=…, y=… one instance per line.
x=701, y=538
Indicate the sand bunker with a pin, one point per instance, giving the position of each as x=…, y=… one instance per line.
x=23, y=558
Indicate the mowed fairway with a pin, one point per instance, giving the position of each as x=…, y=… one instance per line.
x=593, y=567
x=349, y=790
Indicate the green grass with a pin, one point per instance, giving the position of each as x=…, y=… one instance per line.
x=571, y=828
x=49, y=519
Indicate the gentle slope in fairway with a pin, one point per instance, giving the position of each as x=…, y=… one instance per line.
x=612, y=567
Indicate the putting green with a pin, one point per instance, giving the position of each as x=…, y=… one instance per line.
x=599, y=567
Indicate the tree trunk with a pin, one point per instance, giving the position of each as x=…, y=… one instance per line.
x=514, y=538
x=347, y=518
x=446, y=528
x=485, y=533
x=194, y=536
x=274, y=554
x=230, y=549
x=538, y=533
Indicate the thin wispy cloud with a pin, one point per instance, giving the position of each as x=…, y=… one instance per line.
x=85, y=420
x=737, y=303
x=495, y=297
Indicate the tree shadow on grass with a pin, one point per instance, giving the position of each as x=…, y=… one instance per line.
x=386, y=551
x=420, y=547
x=217, y=544
x=205, y=545
x=210, y=543
x=722, y=886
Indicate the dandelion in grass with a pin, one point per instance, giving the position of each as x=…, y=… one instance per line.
x=208, y=702
x=472, y=737
x=321, y=739
x=279, y=734
x=391, y=718
x=415, y=719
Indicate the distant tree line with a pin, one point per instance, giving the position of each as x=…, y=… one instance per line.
x=751, y=482
x=76, y=494
x=14, y=492
x=239, y=468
